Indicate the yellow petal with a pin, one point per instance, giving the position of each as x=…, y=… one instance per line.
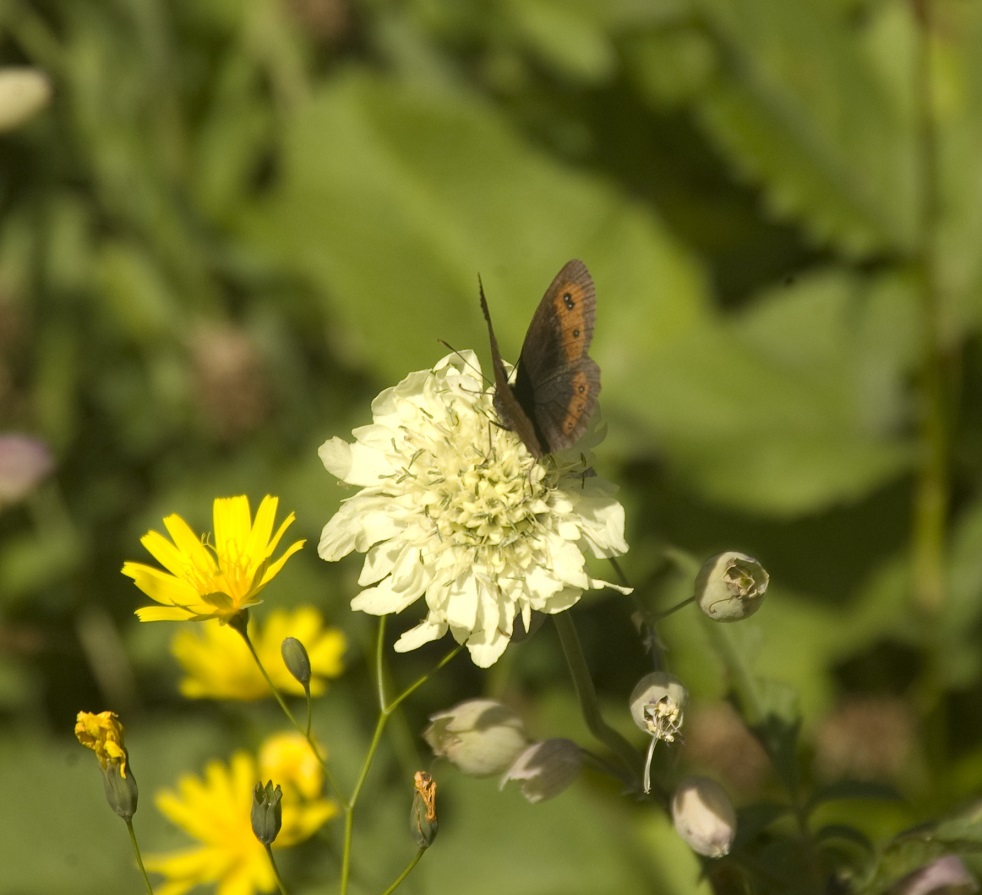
x=188, y=543
x=232, y=522
x=258, y=544
x=161, y=586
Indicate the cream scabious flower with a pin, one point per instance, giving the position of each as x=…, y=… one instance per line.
x=212, y=579
x=454, y=509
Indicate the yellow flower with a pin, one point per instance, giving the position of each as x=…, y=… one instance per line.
x=216, y=810
x=288, y=759
x=212, y=580
x=218, y=665
x=103, y=734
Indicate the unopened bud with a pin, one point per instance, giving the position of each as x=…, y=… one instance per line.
x=704, y=816
x=267, y=812
x=423, y=822
x=122, y=792
x=296, y=660
x=545, y=769
x=731, y=586
x=480, y=736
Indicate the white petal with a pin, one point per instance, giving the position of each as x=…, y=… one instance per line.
x=381, y=600
x=600, y=584
x=335, y=454
x=568, y=564
x=409, y=575
x=425, y=632
x=462, y=603
x=602, y=525
x=562, y=600
x=380, y=560
x=484, y=655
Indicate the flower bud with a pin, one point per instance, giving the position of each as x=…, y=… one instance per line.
x=267, y=812
x=480, y=736
x=704, y=816
x=545, y=769
x=24, y=92
x=297, y=661
x=731, y=586
x=122, y=792
x=423, y=822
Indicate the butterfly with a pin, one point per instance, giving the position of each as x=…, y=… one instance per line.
x=557, y=383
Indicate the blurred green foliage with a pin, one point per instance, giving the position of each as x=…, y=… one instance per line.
x=237, y=221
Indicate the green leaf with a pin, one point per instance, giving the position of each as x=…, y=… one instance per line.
x=838, y=834
x=851, y=789
x=566, y=36
x=799, y=108
x=792, y=406
x=381, y=207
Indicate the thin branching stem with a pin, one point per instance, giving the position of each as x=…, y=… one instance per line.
x=589, y=704
x=386, y=710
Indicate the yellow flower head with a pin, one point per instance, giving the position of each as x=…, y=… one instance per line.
x=216, y=810
x=212, y=579
x=218, y=665
x=103, y=734
x=288, y=759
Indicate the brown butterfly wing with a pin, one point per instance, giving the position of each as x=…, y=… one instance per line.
x=558, y=384
x=510, y=411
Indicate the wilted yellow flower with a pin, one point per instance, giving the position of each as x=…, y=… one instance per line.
x=103, y=734
x=216, y=810
x=208, y=578
x=217, y=664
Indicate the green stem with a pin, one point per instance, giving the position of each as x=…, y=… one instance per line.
x=409, y=869
x=742, y=679
x=589, y=703
x=276, y=871
x=139, y=857
x=386, y=709
x=239, y=623
x=658, y=616
x=778, y=741
x=931, y=496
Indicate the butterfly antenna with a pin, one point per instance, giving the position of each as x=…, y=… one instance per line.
x=453, y=350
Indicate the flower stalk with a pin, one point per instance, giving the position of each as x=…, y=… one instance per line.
x=589, y=704
x=386, y=709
